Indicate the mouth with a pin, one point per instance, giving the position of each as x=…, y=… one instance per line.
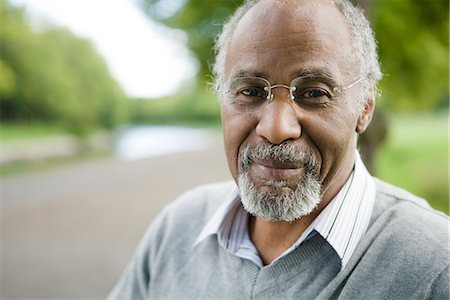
x=276, y=170
x=285, y=164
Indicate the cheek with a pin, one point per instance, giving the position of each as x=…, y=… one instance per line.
x=236, y=129
x=337, y=131
x=333, y=134
x=336, y=126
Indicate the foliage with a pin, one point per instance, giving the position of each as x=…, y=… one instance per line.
x=413, y=47
x=415, y=156
x=201, y=20
x=50, y=75
x=193, y=108
x=412, y=34
x=26, y=131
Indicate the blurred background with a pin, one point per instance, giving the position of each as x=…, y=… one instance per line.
x=107, y=113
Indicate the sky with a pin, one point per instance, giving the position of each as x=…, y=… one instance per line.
x=147, y=59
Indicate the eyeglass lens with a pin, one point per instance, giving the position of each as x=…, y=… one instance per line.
x=251, y=93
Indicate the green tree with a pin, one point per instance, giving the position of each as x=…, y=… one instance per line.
x=201, y=20
x=414, y=47
x=53, y=76
x=412, y=34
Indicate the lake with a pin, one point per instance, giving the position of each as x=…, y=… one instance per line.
x=140, y=142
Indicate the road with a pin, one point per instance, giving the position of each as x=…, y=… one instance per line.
x=69, y=232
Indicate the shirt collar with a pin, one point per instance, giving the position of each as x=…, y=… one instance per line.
x=345, y=220
x=342, y=222
x=215, y=222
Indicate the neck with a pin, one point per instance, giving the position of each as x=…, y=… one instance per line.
x=273, y=238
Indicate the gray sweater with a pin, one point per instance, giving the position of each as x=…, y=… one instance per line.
x=403, y=255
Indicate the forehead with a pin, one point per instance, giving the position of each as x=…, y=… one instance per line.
x=288, y=37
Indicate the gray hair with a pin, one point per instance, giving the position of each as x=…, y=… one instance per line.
x=363, y=39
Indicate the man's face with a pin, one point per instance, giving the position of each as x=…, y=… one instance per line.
x=279, y=40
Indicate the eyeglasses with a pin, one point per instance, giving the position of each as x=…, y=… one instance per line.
x=249, y=94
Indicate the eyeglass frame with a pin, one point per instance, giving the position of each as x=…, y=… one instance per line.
x=269, y=97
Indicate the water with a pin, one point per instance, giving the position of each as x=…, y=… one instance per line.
x=140, y=142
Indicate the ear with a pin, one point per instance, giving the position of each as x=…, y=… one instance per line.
x=366, y=115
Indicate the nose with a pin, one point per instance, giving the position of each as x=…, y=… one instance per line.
x=278, y=121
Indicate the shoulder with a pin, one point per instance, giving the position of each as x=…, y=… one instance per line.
x=406, y=208
x=166, y=246
x=407, y=225
x=405, y=248
x=183, y=219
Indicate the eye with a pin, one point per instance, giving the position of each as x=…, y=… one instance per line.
x=314, y=93
x=256, y=92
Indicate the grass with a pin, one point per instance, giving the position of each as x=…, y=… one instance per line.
x=20, y=131
x=11, y=133
x=415, y=156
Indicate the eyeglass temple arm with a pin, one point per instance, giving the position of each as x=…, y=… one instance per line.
x=353, y=84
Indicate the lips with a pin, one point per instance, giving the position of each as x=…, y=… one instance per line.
x=276, y=170
x=278, y=164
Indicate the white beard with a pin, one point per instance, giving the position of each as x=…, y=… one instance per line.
x=281, y=203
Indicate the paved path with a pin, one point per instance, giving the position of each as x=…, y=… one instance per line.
x=69, y=233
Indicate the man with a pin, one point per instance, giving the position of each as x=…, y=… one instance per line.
x=303, y=219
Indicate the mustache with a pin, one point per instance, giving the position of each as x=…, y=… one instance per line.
x=285, y=152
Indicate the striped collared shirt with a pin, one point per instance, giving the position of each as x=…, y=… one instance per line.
x=342, y=223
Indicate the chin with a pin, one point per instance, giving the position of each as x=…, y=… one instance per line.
x=277, y=202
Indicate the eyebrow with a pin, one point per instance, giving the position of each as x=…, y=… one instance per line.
x=245, y=73
x=309, y=73
x=317, y=73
